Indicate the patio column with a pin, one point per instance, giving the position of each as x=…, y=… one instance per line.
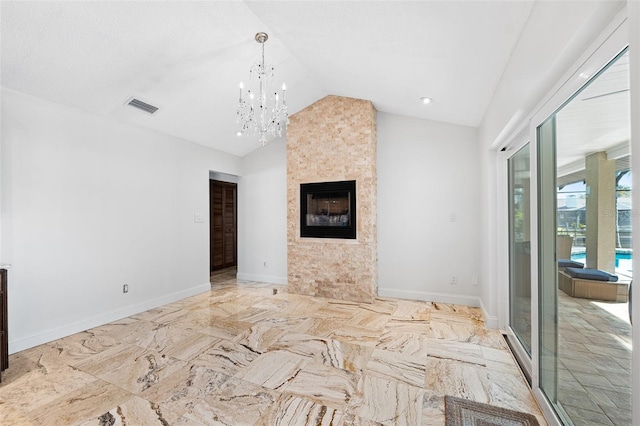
x=601, y=212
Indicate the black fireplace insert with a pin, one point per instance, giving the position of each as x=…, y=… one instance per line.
x=328, y=209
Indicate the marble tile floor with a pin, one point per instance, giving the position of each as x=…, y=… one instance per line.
x=594, y=361
x=223, y=275
x=253, y=354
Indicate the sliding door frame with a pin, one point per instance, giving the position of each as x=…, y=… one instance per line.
x=509, y=151
x=613, y=40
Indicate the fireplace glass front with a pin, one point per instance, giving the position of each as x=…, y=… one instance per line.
x=328, y=209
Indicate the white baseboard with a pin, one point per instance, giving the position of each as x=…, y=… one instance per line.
x=430, y=297
x=262, y=278
x=103, y=318
x=490, y=321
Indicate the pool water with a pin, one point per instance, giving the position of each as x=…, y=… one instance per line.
x=624, y=260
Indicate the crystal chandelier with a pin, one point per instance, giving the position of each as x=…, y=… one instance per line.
x=265, y=116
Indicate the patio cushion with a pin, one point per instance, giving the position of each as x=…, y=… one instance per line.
x=568, y=263
x=591, y=274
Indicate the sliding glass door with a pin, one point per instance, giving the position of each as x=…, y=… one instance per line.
x=547, y=269
x=519, y=180
x=582, y=339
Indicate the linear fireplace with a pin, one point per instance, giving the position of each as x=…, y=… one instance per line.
x=328, y=209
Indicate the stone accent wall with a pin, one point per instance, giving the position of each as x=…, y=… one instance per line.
x=333, y=140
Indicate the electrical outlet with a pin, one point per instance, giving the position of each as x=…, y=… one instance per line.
x=453, y=217
x=198, y=218
x=474, y=281
x=125, y=288
x=454, y=280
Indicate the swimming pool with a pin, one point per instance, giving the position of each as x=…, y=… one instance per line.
x=624, y=259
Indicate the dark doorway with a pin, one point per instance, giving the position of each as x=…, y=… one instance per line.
x=223, y=224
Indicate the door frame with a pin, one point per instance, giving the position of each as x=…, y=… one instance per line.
x=228, y=179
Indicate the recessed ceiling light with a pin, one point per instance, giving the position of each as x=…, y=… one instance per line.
x=426, y=100
x=584, y=75
x=238, y=133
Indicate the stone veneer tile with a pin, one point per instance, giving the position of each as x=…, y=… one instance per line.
x=333, y=140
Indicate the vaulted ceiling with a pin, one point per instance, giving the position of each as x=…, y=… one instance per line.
x=187, y=57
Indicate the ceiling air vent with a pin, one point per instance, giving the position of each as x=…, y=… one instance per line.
x=137, y=103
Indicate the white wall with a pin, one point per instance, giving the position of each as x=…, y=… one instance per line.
x=427, y=172
x=89, y=204
x=262, y=215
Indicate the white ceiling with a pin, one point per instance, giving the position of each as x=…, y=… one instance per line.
x=188, y=57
